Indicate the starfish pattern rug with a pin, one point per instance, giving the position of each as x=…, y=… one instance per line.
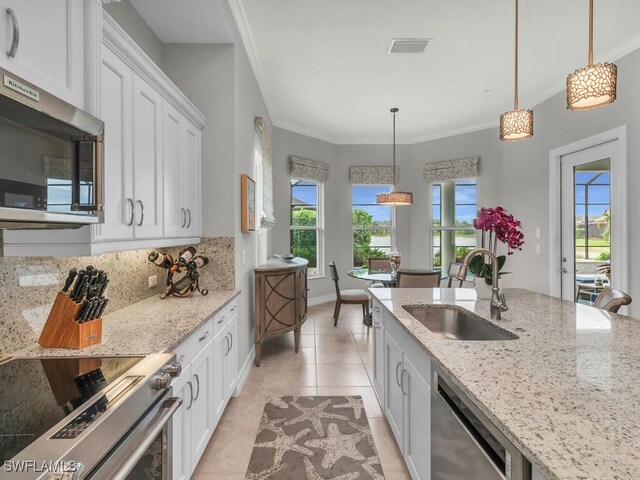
x=314, y=438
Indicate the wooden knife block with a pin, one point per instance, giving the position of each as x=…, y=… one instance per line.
x=62, y=330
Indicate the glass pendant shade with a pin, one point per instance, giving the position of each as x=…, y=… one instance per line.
x=516, y=124
x=592, y=86
x=395, y=199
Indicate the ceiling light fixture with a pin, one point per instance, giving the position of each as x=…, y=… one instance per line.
x=394, y=198
x=594, y=85
x=516, y=124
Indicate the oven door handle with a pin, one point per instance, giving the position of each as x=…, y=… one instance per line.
x=168, y=408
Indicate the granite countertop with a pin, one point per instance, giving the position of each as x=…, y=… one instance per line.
x=566, y=392
x=149, y=326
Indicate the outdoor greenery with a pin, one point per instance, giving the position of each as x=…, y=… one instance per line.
x=362, y=250
x=461, y=252
x=304, y=242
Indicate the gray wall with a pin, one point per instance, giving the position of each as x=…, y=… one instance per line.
x=219, y=80
x=512, y=174
x=131, y=22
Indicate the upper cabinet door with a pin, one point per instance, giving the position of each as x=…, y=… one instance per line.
x=115, y=111
x=175, y=213
x=147, y=159
x=48, y=49
x=190, y=179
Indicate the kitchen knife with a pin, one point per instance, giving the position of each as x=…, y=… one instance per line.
x=81, y=312
x=103, y=286
x=72, y=274
x=78, y=285
x=103, y=305
x=93, y=309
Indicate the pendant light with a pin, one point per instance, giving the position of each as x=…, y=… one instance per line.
x=516, y=124
x=394, y=198
x=594, y=85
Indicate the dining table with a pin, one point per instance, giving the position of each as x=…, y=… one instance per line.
x=386, y=277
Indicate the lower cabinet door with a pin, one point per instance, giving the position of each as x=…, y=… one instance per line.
x=394, y=399
x=231, y=359
x=181, y=434
x=417, y=421
x=220, y=346
x=378, y=360
x=201, y=412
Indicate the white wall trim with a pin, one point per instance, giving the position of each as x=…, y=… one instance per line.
x=321, y=299
x=619, y=135
x=244, y=371
x=126, y=49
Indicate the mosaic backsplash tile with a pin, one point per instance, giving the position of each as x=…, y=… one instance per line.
x=28, y=285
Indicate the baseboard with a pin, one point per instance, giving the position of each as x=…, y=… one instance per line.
x=244, y=371
x=322, y=299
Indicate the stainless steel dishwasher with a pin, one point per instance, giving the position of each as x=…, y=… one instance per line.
x=465, y=445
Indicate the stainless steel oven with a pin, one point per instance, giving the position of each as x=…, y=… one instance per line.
x=51, y=160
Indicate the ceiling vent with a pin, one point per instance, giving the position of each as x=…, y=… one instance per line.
x=409, y=45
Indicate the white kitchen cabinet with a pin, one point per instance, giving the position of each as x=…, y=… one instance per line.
x=394, y=398
x=417, y=425
x=181, y=426
x=378, y=352
x=219, y=400
x=50, y=45
x=201, y=414
x=182, y=175
x=231, y=357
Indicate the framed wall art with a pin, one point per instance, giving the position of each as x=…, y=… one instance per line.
x=248, y=203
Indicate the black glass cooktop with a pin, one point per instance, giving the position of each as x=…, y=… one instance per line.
x=36, y=394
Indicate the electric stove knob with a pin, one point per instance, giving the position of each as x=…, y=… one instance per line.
x=174, y=369
x=162, y=381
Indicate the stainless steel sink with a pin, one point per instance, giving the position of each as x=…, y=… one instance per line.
x=455, y=324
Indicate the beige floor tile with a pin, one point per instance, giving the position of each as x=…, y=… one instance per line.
x=289, y=341
x=328, y=328
x=359, y=328
x=323, y=341
x=283, y=375
x=367, y=356
x=328, y=355
x=229, y=450
x=263, y=392
x=342, y=375
x=218, y=475
x=288, y=355
x=363, y=342
x=369, y=398
x=338, y=348
x=395, y=473
x=385, y=444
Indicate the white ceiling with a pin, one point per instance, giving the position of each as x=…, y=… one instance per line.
x=185, y=21
x=324, y=69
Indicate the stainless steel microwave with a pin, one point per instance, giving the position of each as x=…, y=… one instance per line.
x=51, y=159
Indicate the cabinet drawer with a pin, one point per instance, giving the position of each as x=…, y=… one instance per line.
x=187, y=350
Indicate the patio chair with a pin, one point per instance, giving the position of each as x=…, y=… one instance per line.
x=354, y=296
x=611, y=300
x=454, y=268
x=418, y=279
x=378, y=265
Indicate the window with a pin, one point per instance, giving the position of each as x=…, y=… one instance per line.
x=454, y=207
x=372, y=224
x=592, y=207
x=307, y=223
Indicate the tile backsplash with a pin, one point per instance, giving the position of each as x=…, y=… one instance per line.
x=28, y=285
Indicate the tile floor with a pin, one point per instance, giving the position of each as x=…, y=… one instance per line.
x=332, y=361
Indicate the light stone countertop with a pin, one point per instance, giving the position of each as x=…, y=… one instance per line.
x=566, y=393
x=149, y=326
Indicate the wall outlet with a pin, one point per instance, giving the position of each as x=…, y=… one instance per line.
x=153, y=281
x=537, y=233
x=538, y=249
x=243, y=257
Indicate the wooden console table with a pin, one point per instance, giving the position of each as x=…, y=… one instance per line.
x=281, y=300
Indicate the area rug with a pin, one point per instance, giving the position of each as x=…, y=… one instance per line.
x=314, y=438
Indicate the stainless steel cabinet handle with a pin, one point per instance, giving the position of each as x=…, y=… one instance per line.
x=231, y=335
x=183, y=212
x=402, y=381
x=376, y=325
x=204, y=337
x=398, y=368
x=133, y=211
x=226, y=352
x=222, y=319
x=376, y=308
x=141, y=212
x=195, y=399
x=189, y=212
x=190, y=395
x=15, y=41
x=235, y=307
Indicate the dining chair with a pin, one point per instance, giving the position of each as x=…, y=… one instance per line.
x=418, y=279
x=611, y=300
x=378, y=265
x=354, y=296
x=454, y=268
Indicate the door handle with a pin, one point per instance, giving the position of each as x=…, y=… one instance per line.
x=15, y=40
x=183, y=212
x=141, y=212
x=402, y=381
x=195, y=399
x=231, y=335
x=133, y=211
x=190, y=395
x=226, y=352
x=397, y=368
x=189, y=223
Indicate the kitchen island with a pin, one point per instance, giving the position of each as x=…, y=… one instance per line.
x=565, y=392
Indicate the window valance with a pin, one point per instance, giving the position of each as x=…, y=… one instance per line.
x=268, y=218
x=373, y=175
x=452, y=169
x=307, y=169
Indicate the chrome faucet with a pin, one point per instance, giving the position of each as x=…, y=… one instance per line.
x=498, y=303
